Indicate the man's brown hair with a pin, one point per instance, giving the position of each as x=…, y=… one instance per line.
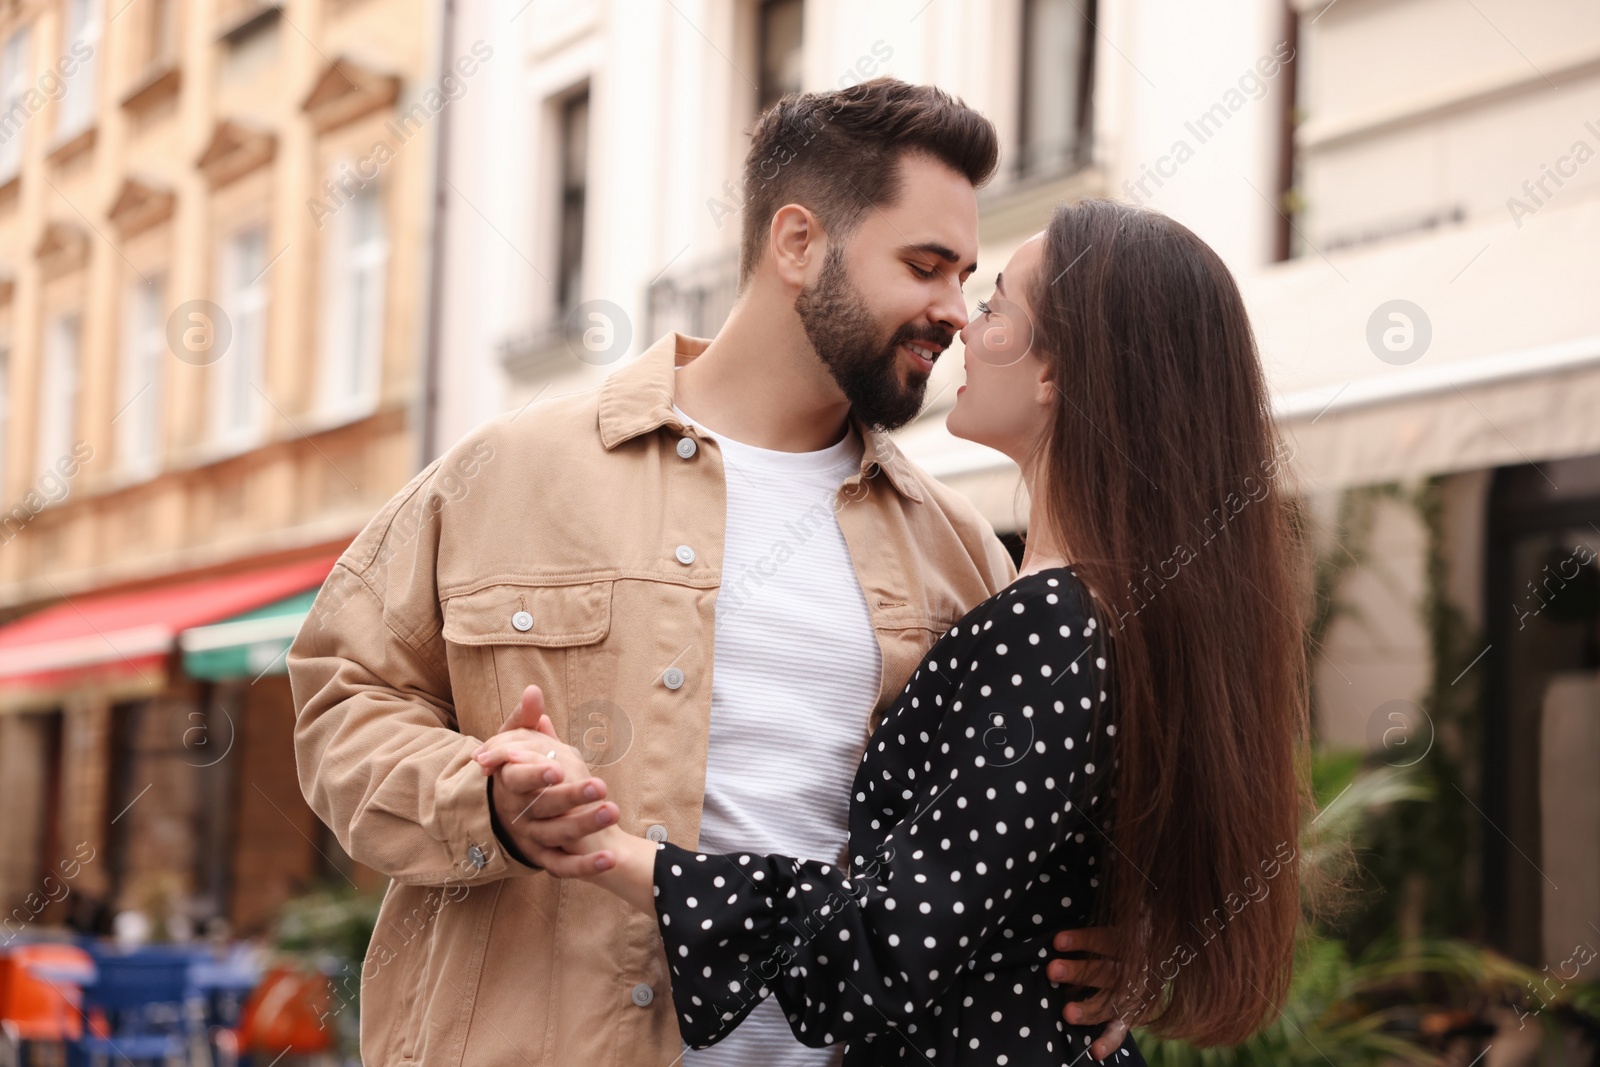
x=837, y=153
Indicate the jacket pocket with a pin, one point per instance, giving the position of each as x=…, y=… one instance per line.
x=504, y=637
x=905, y=636
x=523, y=613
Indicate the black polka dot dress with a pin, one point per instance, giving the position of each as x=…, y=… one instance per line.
x=975, y=835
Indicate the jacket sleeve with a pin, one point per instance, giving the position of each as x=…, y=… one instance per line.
x=377, y=747
x=854, y=954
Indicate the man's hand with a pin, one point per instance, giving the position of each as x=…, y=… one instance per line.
x=1094, y=973
x=544, y=796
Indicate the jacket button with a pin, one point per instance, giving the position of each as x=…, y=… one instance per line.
x=686, y=447
x=476, y=857
x=685, y=555
x=643, y=995
x=673, y=678
x=522, y=621
x=656, y=833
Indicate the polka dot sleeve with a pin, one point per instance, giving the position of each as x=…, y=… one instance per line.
x=980, y=775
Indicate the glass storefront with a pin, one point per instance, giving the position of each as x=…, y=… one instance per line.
x=1541, y=745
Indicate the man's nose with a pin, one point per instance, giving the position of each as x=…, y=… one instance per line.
x=951, y=310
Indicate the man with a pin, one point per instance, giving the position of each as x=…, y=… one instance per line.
x=734, y=505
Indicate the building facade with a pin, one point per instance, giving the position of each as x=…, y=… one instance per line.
x=215, y=225
x=1436, y=334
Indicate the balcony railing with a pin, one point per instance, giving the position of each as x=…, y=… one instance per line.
x=696, y=299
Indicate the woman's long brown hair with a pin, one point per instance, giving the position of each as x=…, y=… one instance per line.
x=1164, y=480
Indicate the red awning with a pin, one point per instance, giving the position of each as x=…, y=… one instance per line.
x=116, y=636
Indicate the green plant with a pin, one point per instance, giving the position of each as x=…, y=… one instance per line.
x=1413, y=878
x=329, y=922
x=1396, y=1004
x=328, y=931
x=1400, y=999
x=1319, y=1023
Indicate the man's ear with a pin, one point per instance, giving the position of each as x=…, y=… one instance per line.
x=796, y=244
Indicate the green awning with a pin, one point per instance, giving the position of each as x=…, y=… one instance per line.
x=248, y=645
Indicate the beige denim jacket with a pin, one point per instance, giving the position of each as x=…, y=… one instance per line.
x=576, y=546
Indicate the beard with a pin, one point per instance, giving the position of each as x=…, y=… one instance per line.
x=842, y=330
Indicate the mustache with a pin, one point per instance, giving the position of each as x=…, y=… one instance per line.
x=931, y=336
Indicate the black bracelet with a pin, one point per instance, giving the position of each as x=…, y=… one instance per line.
x=503, y=837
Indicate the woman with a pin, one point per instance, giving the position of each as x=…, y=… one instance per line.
x=1140, y=686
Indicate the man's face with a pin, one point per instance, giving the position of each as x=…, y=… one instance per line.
x=888, y=300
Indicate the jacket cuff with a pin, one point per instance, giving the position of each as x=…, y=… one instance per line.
x=464, y=826
x=500, y=834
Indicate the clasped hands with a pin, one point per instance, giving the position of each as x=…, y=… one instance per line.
x=558, y=815
x=554, y=810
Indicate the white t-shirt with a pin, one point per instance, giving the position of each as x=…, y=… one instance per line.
x=795, y=675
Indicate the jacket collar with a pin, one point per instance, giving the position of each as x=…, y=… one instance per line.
x=637, y=398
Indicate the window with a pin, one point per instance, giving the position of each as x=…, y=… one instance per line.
x=574, y=185
x=13, y=88
x=782, y=26
x=1057, y=75
x=76, y=110
x=355, y=260
x=236, y=375
x=139, y=386
x=58, y=400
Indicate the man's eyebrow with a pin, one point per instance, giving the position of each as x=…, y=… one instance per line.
x=934, y=248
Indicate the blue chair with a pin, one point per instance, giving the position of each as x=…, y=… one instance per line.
x=218, y=988
x=143, y=996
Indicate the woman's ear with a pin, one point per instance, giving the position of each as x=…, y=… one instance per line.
x=1044, y=393
x=795, y=243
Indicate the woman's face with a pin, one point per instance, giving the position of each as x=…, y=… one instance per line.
x=1007, y=398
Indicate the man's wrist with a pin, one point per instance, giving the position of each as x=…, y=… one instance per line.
x=503, y=835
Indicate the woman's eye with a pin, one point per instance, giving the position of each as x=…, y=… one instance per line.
x=983, y=308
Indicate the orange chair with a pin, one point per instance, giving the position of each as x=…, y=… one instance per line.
x=41, y=991
x=285, y=1012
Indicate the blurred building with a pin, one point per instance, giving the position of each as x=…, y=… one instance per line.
x=1440, y=319
x=214, y=233
x=1406, y=192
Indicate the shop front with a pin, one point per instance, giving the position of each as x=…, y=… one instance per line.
x=147, y=732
